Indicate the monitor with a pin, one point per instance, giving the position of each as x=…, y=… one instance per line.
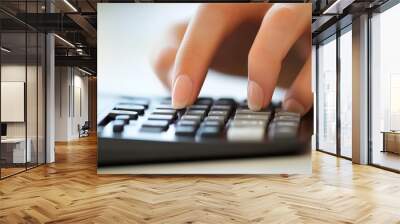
x=3, y=129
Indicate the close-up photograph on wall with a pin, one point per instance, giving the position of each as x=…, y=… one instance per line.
x=154, y=111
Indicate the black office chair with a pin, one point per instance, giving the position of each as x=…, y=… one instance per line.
x=84, y=129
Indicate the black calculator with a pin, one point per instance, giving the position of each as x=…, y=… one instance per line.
x=137, y=130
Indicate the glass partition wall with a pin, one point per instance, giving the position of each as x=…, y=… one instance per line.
x=22, y=77
x=334, y=104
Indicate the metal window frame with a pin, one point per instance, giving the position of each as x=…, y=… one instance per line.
x=337, y=35
x=44, y=72
x=381, y=9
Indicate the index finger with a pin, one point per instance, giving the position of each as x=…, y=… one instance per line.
x=206, y=31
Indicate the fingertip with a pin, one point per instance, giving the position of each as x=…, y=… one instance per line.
x=294, y=105
x=182, y=91
x=255, y=96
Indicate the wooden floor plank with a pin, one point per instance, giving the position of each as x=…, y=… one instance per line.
x=70, y=191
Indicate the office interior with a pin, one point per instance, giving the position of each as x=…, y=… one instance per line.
x=48, y=92
x=356, y=83
x=48, y=126
x=48, y=76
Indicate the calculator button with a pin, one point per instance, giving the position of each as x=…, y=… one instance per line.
x=163, y=124
x=251, y=117
x=124, y=118
x=218, y=113
x=248, y=123
x=200, y=113
x=185, y=130
x=118, y=125
x=247, y=111
x=285, y=123
x=216, y=118
x=225, y=101
x=221, y=107
x=188, y=123
x=286, y=113
x=210, y=131
x=204, y=101
x=246, y=133
x=212, y=123
x=167, y=117
x=198, y=107
x=137, y=108
x=165, y=112
x=192, y=117
x=282, y=132
x=287, y=118
x=132, y=114
x=153, y=129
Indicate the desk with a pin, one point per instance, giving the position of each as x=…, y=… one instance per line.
x=296, y=164
x=13, y=150
x=391, y=141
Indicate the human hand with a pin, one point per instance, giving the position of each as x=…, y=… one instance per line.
x=266, y=41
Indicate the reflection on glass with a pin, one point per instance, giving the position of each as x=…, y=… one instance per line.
x=385, y=86
x=31, y=100
x=22, y=92
x=41, y=98
x=346, y=94
x=327, y=96
x=15, y=150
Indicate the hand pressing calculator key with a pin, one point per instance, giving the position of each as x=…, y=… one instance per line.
x=148, y=130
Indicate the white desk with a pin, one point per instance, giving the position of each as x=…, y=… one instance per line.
x=295, y=164
x=19, y=154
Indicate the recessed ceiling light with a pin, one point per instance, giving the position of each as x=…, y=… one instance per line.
x=337, y=7
x=70, y=5
x=65, y=41
x=5, y=50
x=84, y=71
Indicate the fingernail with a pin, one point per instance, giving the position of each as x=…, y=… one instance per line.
x=255, y=96
x=181, y=92
x=293, y=106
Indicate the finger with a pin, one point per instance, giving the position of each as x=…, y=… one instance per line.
x=206, y=31
x=282, y=26
x=299, y=97
x=162, y=59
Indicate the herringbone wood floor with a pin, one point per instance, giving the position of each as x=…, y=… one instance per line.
x=69, y=191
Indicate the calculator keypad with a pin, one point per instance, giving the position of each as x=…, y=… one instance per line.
x=207, y=119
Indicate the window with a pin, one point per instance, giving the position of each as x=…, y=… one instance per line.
x=346, y=93
x=385, y=89
x=327, y=96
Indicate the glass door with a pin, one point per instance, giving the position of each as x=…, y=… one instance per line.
x=326, y=136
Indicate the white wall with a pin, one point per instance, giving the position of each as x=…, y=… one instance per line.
x=70, y=84
x=123, y=52
x=15, y=72
x=33, y=126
